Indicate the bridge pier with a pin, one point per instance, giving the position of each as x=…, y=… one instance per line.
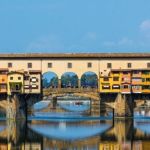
x=16, y=108
x=123, y=106
x=79, y=83
x=59, y=83
x=54, y=102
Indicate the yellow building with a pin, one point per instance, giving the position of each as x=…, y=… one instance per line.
x=15, y=82
x=145, y=81
x=116, y=80
x=105, y=84
x=110, y=83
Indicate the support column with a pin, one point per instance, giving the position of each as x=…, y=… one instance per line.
x=16, y=133
x=79, y=83
x=123, y=106
x=125, y=129
x=54, y=102
x=59, y=83
x=102, y=105
x=16, y=108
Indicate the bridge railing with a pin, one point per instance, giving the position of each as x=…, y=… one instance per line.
x=68, y=90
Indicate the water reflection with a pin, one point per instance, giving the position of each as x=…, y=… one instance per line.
x=70, y=131
x=75, y=135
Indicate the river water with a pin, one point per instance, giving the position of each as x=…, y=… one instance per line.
x=73, y=131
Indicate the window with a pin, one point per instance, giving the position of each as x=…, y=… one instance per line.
x=148, y=65
x=109, y=65
x=145, y=87
x=136, y=72
x=125, y=72
x=136, y=79
x=125, y=86
x=9, y=65
x=115, y=78
x=129, y=65
x=19, y=78
x=29, y=65
x=147, y=79
x=26, y=78
x=26, y=86
x=89, y=65
x=11, y=78
x=126, y=79
x=69, y=65
x=116, y=72
x=116, y=87
x=136, y=87
x=146, y=72
x=49, y=65
x=33, y=79
x=106, y=79
x=34, y=85
x=105, y=87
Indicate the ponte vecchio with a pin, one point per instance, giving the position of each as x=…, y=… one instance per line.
x=123, y=80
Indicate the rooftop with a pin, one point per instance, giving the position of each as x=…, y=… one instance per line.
x=75, y=55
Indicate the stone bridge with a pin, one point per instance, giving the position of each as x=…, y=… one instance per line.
x=90, y=93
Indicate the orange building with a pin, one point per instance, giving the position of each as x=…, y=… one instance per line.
x=136, y=81
x=125, y=81
x=3, y=80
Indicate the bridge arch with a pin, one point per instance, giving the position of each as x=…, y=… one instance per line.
x=89, y=80
x=50, y=80
x=69, y=80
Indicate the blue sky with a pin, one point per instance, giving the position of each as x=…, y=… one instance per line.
x=74, y=26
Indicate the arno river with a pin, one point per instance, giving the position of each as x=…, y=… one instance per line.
x=73, y=130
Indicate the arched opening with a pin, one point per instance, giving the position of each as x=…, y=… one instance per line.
x=89, y=80
x=50, y=80
x=69, y=80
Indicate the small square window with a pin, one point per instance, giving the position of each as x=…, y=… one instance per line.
x=148, y=65
x=109, y=65
x=11, y=78
x=29, y=65
x=26, y=78
x=115, y=78
x=69, y=65
x=49, y=65
x=129, y=65
x=89, y=65
x=9, y=65
x=19, y=78
x=106, y=79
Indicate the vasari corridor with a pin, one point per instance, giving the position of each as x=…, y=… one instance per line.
x=75, y=101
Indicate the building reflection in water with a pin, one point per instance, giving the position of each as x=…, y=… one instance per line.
x=75, y=135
